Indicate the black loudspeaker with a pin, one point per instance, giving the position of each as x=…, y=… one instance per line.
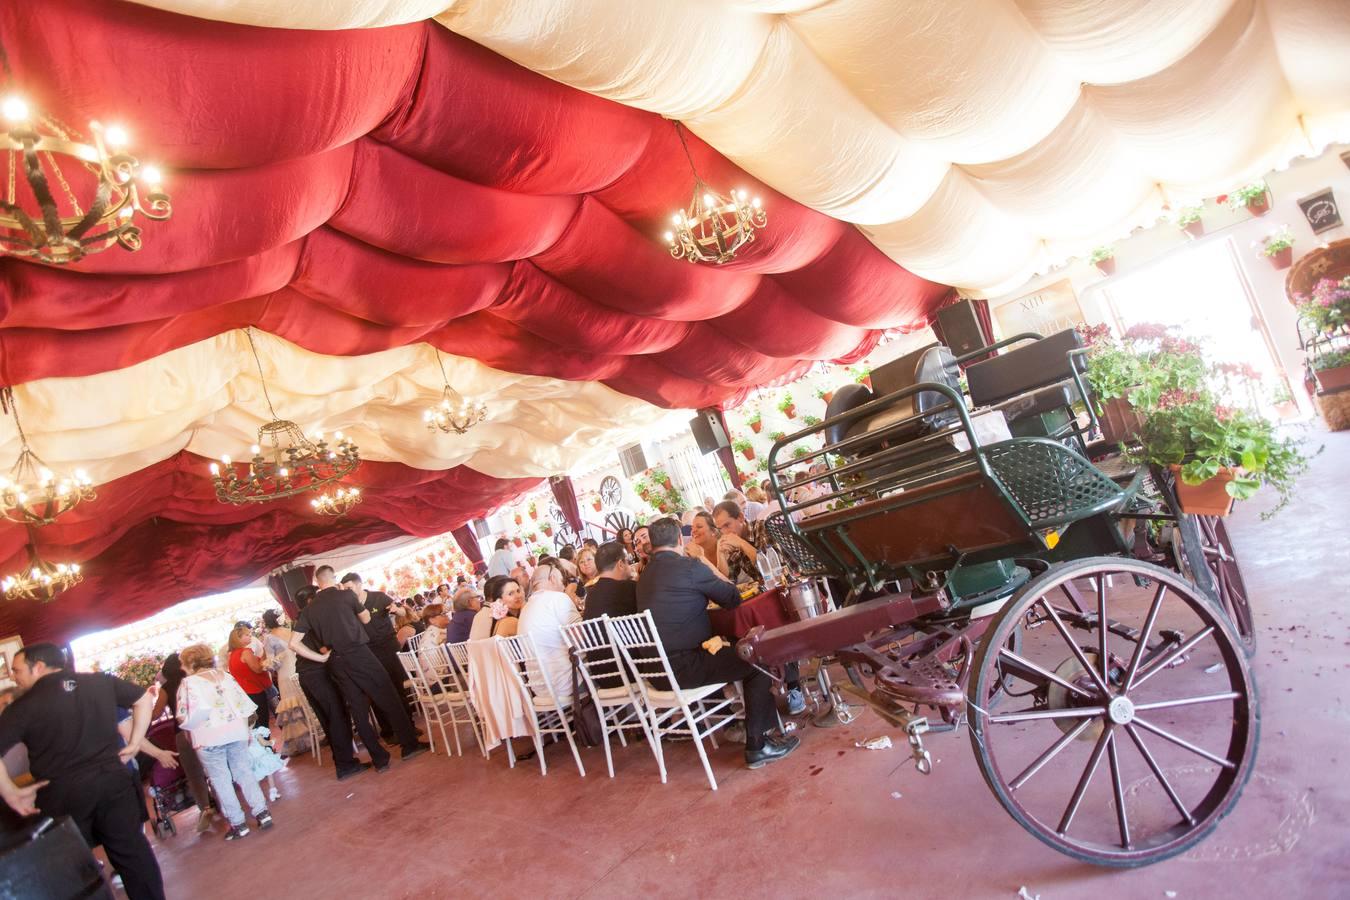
x=293, y=580
x=481, y=528
x=708, y=431
x=50, y=862
x=961, y=328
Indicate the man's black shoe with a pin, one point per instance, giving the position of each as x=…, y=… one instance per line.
x=387, y=736
x=382, y=766
x=415, y=750
x=354, y=770
x=774, y=749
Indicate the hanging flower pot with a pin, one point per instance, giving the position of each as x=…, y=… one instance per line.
x=662, y=507
x=1208, y=498
x=665, y=482
x=827, y=396
x=519, y=520
x=790, y=411
x=756, y=425
x=518, y=542
x=1334, y=379
x=534, y=515
x=1194, y=229
x=1106, y=266
x=748, y=452
x=1282, y=258
x=1259, y=206
x=598, y=504
x=548, y=531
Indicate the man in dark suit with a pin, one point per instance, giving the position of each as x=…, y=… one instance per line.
x=676, y=589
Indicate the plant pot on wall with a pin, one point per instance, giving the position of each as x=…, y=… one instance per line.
x=1259, y=206
x=756, y=426
x=1106, y=266
x=1282, y=259
x=1194, y=229
x=598, y=504
x=1208, y=498
x=748, y=452
x=790, y=411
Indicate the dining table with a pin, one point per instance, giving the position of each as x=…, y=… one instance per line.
x=765, y=608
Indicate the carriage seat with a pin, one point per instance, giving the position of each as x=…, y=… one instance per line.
x=932, y=363
x=1034, y=379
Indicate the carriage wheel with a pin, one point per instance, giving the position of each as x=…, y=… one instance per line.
x=1204, y=554
x=1172, y=715
x=1208, y=540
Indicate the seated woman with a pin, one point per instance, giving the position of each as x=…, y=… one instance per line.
x=703, y=534
x=499, y=615
x=437, y=622
x=406, y=621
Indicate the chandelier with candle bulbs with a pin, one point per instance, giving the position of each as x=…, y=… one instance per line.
x=42, y=580
x=284, y=462
x=67, y=197
x=337, y=502
x=454, y=412
x=715, y=225
x=33, y=494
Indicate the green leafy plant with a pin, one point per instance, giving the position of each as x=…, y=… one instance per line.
x=776, y=436
x=1101, y=254
x=786, y=403
x=1193, y=431
x=1147, y=361
x=1331, y=359
x=808, y=421
x=1188, y=215
x=753, y=417
x=1279, y=239
x=1247, y=195
x=799, y=452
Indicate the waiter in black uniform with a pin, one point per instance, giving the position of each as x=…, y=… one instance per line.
x=68, y=722
x=312, y=672
x=336, y=619
x=383, y=641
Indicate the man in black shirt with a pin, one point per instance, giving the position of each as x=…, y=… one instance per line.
x=68, y=722
x=337, y=620
x=311, y=671
x=677, y=588
x=614, y=592
x=383, y=642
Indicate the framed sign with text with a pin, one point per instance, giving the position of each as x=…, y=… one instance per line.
x=1051, y=309
x=1321, y=211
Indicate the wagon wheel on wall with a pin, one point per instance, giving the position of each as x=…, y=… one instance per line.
x=1203, y=552
x=563, y=533
x=617, y=521
x=1120, y=751
x=611, y=492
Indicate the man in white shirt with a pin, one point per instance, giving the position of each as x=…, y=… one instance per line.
x=502, y=560
x=547, y=610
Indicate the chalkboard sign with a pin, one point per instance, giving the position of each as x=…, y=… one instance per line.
x=1321, y=211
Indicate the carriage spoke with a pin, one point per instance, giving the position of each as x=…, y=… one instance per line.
x=1158, y=774
x=1102, y=628
x=1176, y=654
x=1070, y=593
x=1030, y=715
x=1077, y=651
x=1185, y=744
x=1122, y=818
x=1139, y=648
x=1053, y=751
x=1021, y=662
x=1086, y=778
x=1187, y=701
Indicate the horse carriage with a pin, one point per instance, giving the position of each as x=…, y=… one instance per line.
x=999, y=569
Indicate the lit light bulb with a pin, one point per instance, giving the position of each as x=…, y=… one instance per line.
x=225, y=459
x=670, y=237
x=707, y=199
x=14, y=109
x=678, y=218
x=46, y=476
x=255, y=450
x=741, y=194
x=337, y=436
x=215, y=469
x=115, y=136
x=284, y=472
x=755, y=203
x=75, y=567
x=151, y=175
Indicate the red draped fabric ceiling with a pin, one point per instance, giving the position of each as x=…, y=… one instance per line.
x=353, y=191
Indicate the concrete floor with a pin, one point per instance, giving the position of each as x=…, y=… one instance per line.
x=832, y=819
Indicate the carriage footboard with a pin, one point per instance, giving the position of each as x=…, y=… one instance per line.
x=823, y=635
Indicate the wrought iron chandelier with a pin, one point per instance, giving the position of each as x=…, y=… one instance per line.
x=284, y=462
x=454, y=412
x=715, y=225
x=43, y=580
x=338, y=502
x=102, y=188
x=32, y=494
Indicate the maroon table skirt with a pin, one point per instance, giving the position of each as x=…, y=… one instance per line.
x=763, y=609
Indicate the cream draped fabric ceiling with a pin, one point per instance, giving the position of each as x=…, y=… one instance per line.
x=976, y=142
x=206, y=398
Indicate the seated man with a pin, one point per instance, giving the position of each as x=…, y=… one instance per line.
x=548, y=609
x=467, y=604
x=614, y=592
x=738, y=550
x=642, y=544
x=677, y=589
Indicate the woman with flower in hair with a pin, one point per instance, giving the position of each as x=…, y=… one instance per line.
x=499, y=615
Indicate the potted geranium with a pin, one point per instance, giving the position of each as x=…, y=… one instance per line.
x=787, y=407
x=776, y=436
x=744, y=447
x=660, y=477
x=1128, y=376
x=1278, y=247
x=547, y=528
x=1254, y=197
x=519, y=520
x=826, y=396
x=1332, y=369
x=754, y=421
x=1217, y=454
x=518, y=542
x=1104, y=258
x=597, y=502
x=534, y=513
x=809, y=421
x=1189, y=221
x=862, y=375
x=1327, y=310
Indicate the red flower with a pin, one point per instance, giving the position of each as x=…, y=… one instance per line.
x=1222, y=198
x=1146, y=331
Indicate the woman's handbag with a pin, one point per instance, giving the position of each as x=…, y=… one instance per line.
x=585, y=717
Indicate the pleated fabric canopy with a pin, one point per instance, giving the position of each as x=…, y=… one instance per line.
x=362, y=199
x=975, y=142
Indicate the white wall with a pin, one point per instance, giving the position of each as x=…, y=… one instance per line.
x=1303, y=177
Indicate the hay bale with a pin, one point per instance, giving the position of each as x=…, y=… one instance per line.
x=1335, y=409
